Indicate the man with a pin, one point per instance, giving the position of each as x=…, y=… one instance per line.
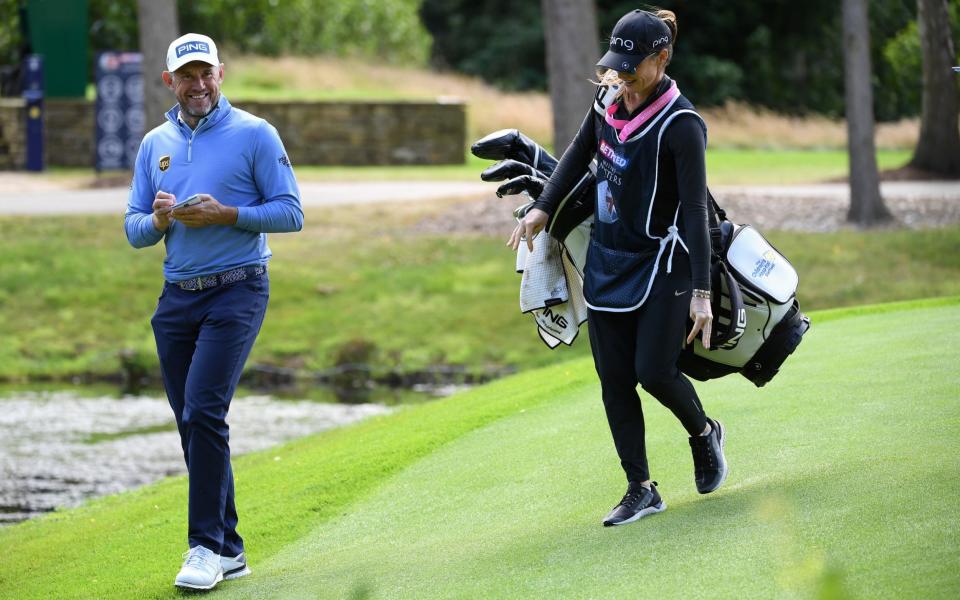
x=216, y=288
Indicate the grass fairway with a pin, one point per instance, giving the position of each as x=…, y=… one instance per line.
x=844, y=478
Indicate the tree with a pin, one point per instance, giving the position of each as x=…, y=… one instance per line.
x=157, y=20
x=866, y=205
x=570, y=28
x=938, y=149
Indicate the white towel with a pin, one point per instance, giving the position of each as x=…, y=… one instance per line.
x=552, y=291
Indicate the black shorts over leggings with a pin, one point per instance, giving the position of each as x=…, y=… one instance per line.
x=642, y=346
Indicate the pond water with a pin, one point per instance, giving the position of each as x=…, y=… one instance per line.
x=59, y=448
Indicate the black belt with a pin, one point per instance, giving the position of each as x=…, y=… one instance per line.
x=223, y=278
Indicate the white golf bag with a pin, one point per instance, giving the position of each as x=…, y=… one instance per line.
x=757, y=319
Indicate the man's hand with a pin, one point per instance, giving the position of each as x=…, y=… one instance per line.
x=207, y=212
x=161, y=210
x=528, y=228
x=702, y=316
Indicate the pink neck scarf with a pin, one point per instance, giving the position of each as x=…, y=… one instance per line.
x=626, y=128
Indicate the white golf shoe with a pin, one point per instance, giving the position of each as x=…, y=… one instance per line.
x=234, y=567
x=200, y=571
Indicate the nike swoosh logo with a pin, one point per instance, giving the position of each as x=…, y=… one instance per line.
x=680, y=293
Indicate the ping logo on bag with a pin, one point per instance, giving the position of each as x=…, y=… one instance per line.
x=739, y=327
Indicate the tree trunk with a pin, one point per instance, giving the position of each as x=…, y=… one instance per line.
x=157, y=20
x=866, y=205
x=572, y=44
x=938, y=149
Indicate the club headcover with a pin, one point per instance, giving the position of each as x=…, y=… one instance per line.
x=508, y=169
x=525, y=183
x=510, y=143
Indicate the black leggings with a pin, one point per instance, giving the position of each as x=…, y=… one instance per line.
x=642, y=346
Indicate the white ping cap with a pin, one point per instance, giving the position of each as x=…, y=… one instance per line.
x=190, y=47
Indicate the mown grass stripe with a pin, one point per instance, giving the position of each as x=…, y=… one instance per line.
x=844, y=471
x=816, y=415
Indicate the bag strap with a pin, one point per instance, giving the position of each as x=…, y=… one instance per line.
x=734, y=329
x=715, y=216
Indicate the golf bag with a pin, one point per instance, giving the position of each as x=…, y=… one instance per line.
x=757, y=319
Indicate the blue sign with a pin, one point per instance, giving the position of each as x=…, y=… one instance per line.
x=119, y=111
x=33, y=94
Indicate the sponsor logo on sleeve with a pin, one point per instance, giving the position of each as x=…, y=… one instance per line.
x=164, y=162
x=284, y=160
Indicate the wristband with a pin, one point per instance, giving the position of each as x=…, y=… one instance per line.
x=704, y=294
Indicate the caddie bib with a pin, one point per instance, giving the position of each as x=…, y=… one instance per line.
x=626, y=245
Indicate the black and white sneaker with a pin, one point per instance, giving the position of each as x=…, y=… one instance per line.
x=637, y=502
x=235, y=567
x=709, y=465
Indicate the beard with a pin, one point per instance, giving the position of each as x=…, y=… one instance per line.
x=199, y=111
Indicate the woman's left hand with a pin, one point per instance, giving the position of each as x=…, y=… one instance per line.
x=702, y=316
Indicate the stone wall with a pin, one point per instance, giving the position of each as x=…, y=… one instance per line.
x=314, y=133
x=68, y=133
x=367, y=133
x=13, y=129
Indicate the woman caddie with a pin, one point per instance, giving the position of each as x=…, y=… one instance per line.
x=648, y=263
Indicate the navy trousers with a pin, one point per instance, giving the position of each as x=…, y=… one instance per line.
x=203, y=340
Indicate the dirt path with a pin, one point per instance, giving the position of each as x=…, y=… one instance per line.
x=22, y=194
x=816, y=207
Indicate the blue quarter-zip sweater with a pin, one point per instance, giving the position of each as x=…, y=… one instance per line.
x=235, y=157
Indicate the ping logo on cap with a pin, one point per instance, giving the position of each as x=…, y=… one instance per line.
x=619, y=41
x=191, y=47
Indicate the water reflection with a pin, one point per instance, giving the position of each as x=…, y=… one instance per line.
x=60, y=448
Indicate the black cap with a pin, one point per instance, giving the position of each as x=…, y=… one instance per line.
x=637, y=35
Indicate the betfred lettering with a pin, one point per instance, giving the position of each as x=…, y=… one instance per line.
x=618, y=41
x=191, y=47
x=610, y=154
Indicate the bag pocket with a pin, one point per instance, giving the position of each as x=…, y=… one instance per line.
x=617, y=279
x=760, y=266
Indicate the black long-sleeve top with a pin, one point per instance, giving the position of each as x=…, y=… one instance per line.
x=681, y=177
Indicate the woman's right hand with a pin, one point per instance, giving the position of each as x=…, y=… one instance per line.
x=528, y=228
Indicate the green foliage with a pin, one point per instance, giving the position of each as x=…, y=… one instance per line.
x=499, y=40
x=11, y=34
x=782, y=54
x=499, y=492
x=388, y=31
x=904, y=58
x=384, y=30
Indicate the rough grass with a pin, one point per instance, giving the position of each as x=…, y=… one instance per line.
x=844, y=471
x=734, y=125
x=73, y=294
